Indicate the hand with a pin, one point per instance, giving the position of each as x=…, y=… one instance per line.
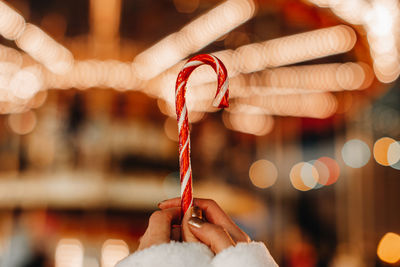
x=218, y=232
x=160, y=228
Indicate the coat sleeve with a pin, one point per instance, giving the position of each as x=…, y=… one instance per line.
x=254, y=254
x=173, y=254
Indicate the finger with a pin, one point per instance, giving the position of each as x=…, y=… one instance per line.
x=170, y=203
x=214, y=214
x=214, y=236
x=159, y=228
x=187, y=235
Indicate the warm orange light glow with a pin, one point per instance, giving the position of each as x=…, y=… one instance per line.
x=386, y=151
x=192, y=37
x=296, y=178
x=113, y=251
x=295, y=48
x=12, y=24
x=250, y=123
x=22, y=123
x=26, y=82
x=315, y=105
x=333, y=171
x=69, y=253
x=263, y=173
x=389, y=248
x=44, y=49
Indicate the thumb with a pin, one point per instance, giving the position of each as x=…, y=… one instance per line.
x=214, y=236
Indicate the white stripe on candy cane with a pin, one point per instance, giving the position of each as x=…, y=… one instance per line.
x=193, y=63
x=218, y=98
x=182, y=118
x=184, y=147
x=185, y=179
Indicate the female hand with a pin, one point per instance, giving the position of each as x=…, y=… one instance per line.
x=160, y=228
x=218, y=231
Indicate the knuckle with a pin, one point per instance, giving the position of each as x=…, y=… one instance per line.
x=157, y=215
x=211, y=202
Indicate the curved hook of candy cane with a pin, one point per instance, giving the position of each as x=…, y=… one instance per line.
x=220, y=100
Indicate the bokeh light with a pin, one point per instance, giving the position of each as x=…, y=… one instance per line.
x=304, y=176
x=393, y=154
x=192, y=37
x=250, y=123
x=333, y=171
x=45, y=49
x=386, y=151
x=389, y=248
x=263, y=173
x=69, y=253
x=113, y=251
x=22, y=123
x=27, y=82
x=356, y=153
x=12, y=24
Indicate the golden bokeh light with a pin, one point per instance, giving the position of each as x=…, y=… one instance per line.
x=383, y=155
x=296, y=177
x=194, y=36
x=113, y=251
x=22, y=123
x=263, y=173
x=314, y=105
x=45, y=49
x=250, y=123
x=12, y=24
x=25, y=83
x=69, y=253
x=389, y=248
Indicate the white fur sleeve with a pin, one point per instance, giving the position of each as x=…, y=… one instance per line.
x=173, y=254
x=254, y=254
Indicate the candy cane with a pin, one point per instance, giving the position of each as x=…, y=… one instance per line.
x=220, y=101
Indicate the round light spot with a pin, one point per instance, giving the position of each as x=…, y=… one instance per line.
x=22, y=123
x=356, y=153
x=333, y=169
x=393, y=153
x=113, y=251
x=309, y=175
x=381, y=149
x=389, y=248
x=296, y=179
x=263, y=173
x=323, y=172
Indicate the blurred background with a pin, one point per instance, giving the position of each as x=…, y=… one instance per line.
x=306, y=158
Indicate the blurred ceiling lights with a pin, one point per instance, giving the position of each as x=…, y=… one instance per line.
x=286, y=91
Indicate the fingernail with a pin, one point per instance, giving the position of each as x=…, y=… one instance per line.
x=197, y=212
x=158, y=205
x=196, y=222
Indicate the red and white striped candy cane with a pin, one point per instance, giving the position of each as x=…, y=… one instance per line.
x=220, y=101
